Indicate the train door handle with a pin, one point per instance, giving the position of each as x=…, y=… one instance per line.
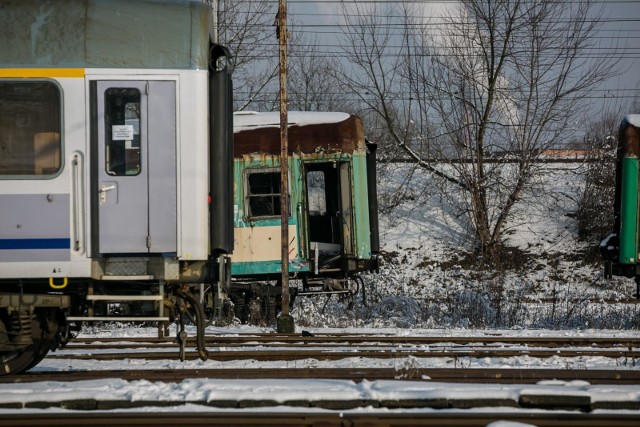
x=103, y=192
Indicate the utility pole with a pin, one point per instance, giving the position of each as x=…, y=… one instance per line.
x=215, y=7
x=285, y=321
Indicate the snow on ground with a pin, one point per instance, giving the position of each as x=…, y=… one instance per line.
x=421, y=289
x=401, y=363
x=426, y=280
x=281, y=391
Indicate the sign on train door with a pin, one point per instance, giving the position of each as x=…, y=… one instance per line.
x=134, y=167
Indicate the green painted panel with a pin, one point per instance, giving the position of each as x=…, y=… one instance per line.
x=266, y=267
x=360, y=205
x=362, y=238
x=255, y=164
x=629, y=212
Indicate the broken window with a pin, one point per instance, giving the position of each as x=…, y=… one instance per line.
x=263, y=194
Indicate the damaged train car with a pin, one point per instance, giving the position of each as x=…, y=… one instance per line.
x=333, y=223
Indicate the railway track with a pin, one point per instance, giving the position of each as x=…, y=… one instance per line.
x=452, y=375
x=266, y=339
x=312, y=419
x=286, y=348
x=287, y=354
x=271, y=347
x=402, y=382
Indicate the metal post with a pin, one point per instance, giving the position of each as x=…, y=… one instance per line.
x=162, y=326
x=215, y=7
x=285, y=321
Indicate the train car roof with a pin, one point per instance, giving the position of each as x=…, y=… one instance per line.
x=245, y=120
x=629, y=136
x=309, y=132
x=633, y=119
x=104, y=34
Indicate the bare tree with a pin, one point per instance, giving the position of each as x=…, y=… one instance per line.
x=595, y=205
x=490, y=80
x=312, y=82
x=247, y=28
x=372, y=72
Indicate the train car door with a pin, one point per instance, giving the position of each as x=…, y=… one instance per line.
x=346, y=209
x=328, y=187
x=134, y=167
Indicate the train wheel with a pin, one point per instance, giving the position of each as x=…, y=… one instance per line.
x=25, y=358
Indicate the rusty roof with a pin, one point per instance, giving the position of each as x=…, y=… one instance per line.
x=304, y=136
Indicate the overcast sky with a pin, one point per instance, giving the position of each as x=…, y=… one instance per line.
x=622, y=26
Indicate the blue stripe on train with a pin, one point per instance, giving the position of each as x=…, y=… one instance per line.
x=35, y=243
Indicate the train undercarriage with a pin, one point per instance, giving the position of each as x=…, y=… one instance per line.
x=258, y=302
x=27, y=335
x=33, y=323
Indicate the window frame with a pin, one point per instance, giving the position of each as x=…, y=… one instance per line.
x=61, y=146
x=109, y=142
x=247, y=195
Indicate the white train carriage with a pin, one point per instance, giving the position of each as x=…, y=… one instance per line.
x=108, y=193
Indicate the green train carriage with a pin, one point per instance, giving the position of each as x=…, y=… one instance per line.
x=620, y=248
x=333, y=225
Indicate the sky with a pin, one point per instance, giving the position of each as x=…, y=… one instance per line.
x=319, y=20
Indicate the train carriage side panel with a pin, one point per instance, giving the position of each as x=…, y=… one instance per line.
x=193, y=210
x=42, y=201
x=629, y=211
x=59, y=41
x=257, y=216
x=362, y=231
x=620, y=248
x=110, y=118
x=362, y=234
x=330, y=189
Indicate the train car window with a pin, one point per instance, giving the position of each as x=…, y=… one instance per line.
x=263, y=194
x=122, y=127
x=316, y=193
x=30, y=128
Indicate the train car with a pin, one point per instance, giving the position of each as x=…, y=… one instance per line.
x=621, y=248
x=115, y=167
x=333, y=223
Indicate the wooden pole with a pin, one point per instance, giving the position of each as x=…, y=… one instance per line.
x=285, y=321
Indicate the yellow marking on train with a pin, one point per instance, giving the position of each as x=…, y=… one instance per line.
x=41, y=72
x=63, y=285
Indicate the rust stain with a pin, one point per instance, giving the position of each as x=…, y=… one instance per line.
x=630, y=136
x=343, y=137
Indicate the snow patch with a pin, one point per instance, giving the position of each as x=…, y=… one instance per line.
x=633, y=119
x=248, y=120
